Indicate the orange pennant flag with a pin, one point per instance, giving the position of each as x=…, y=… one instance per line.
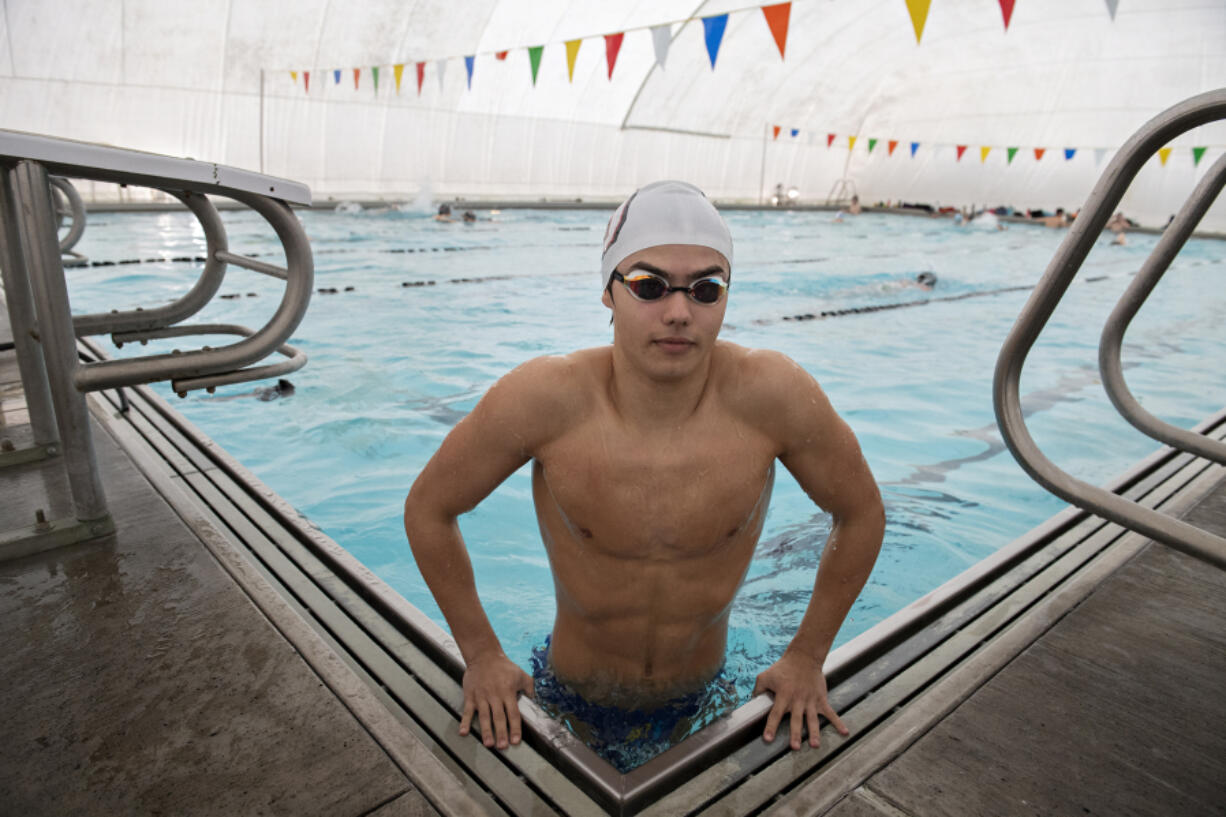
x=776, y=129
x=777, y=20
x=892, y=144
x=983, y=154
x=572, y=51
x=500, y=55
x=1163, y=155
x=357, y=72
x=612, y=44
x=919, y=16
x=398, y=72
x=1038, y=153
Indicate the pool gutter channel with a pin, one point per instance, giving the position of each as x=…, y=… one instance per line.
x=414, y=667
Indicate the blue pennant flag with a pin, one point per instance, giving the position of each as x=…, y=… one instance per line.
x=713, y=28
x=468, y=64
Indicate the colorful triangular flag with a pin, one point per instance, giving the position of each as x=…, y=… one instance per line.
x=893, y=143
x=572, y=51
x=1006, y=9
x=918, y=9
x=829, y=139
x=421, y=74
x=1069, y=153
x=914, y=147
x=983, y=153
x=1163, y=155
x=441, y=65
x=294, y=76
x=374, y=76
x=357, y=72
x=713, y=31
x=795, y=132
x=501, y=55
x=1197, y=155
x=397, y=73
x=851, y=142
x=612, y=44
x=534, y=59
x=1038, y=153
x=468, y=66
x=961, y=150
x=1010, y=153
x=306, y=81
x=775, y=130
x=661, y=37
x=1112, y=5
x=872, y=143
x=777, y=20
x=336, y=77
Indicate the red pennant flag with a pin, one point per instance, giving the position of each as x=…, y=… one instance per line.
x=1006, y=8
x=892, y=144
x=612, y=44
x=961, y=150
x=829, y=139
x=500, y=55
x=357, y=72
x=1038, y=153
x=776, y=129
x=306, y=81
x=421, y=74
x=777, y=20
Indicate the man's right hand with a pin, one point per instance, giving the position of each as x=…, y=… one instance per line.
x=492, y=684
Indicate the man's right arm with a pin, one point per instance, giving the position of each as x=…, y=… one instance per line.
x=520, y=413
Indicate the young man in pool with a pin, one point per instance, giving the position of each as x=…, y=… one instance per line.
x=653, y=463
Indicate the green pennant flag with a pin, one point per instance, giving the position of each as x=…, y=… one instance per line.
x=374, y=73
x=1012, y=152
x=872, y=143
x=1197, y=155
x=534, y=57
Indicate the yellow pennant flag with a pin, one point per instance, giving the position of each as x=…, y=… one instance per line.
x=919, y=15
x=983, y=154
x=572, y=51
x=851, y=143
x=398, y=72
x=294, y=75
x=1163, y=155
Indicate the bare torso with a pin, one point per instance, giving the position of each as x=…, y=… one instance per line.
x=649, y=533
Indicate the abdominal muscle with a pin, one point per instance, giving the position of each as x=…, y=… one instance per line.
x=642, y=611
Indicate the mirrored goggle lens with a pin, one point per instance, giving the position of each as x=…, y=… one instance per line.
x=707, y=291
x=647, y=287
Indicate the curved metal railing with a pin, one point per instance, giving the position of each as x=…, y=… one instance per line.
x=1084, y=232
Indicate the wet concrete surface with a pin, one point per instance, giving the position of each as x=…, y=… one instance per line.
x=138, y=678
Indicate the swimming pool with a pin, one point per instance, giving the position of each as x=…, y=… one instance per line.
x=393, y=367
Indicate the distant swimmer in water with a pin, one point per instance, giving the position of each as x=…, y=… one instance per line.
x=469, y=216
x=926, y=280
x=444, y=213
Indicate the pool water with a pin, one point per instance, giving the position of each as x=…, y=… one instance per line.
x=393, y=367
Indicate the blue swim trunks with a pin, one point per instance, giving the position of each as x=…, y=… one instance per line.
x=628, y=737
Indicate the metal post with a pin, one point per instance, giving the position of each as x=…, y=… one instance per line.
x=21, y=317
x=41, y=248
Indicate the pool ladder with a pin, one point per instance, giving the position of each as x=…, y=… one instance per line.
x=1085, y=231
x=54, y=378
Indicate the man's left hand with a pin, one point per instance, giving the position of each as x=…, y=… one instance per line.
x=799, y=687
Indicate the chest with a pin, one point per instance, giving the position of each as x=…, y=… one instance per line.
x=669, y=495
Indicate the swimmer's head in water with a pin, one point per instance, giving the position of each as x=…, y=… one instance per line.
x=444, y=209
x=663, y=213
x=926, y=279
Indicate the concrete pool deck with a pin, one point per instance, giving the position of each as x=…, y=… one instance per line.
x=154, y=672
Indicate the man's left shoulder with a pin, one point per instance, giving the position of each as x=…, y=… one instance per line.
x=764, y=382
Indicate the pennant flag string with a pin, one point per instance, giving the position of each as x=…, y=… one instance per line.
x=1038, y=153
x=872, y=143
x=795, y=132
x=914, y=147
x=829, y=139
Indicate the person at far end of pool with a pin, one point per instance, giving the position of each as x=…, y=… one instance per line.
x=653, y=464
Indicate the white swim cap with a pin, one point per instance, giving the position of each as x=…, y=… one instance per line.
x=663, y=213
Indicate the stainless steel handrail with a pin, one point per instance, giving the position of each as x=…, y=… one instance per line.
x=76, y=207
x=1168, y=246
x=1082, y=236
x=184, y=307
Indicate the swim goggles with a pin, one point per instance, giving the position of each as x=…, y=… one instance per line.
x=646, y=286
